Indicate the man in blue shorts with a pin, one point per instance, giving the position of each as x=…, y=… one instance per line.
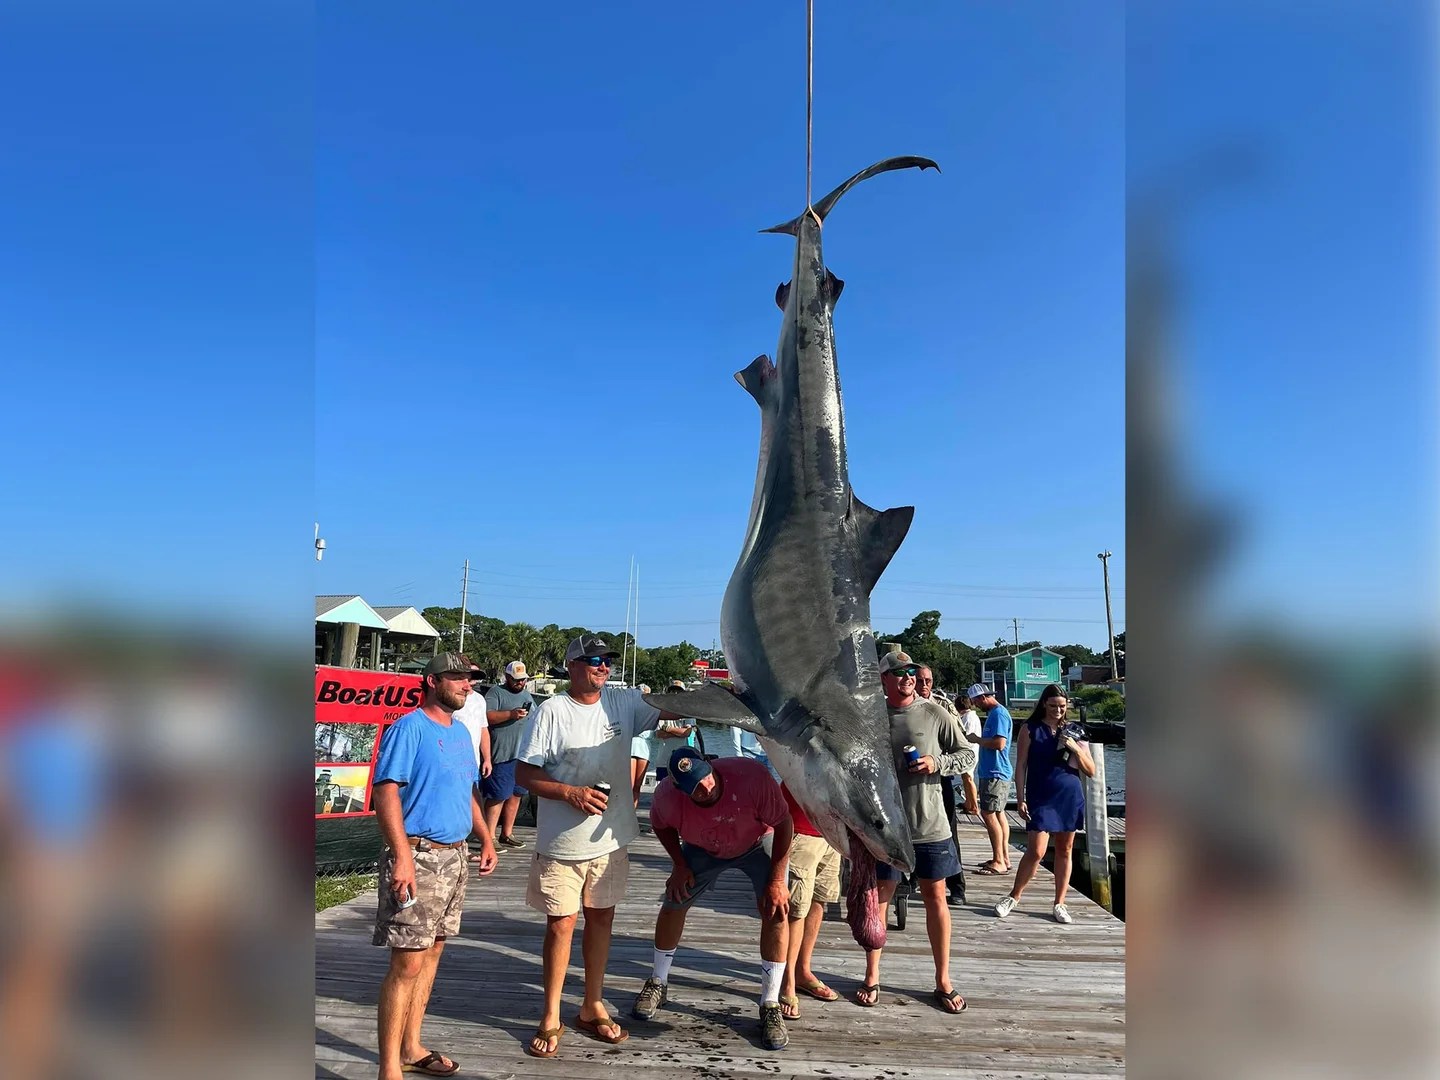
x=943, y=752
x=425, y=806
x=993, y=775
x=506, y=705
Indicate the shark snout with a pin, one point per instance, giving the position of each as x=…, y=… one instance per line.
x=871, y=809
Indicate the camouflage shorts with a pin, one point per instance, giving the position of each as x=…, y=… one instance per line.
x=440, y=875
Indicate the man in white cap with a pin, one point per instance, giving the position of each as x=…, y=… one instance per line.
x=572, y=743
x=506, y=705
x=993, y=775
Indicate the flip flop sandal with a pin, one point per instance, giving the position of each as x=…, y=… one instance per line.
x=791, y=1002
x=945, y=1000
x=431, y=1065
x=866, y=989
x=594, y=1026
x=546, y=1034
x=818, y=990
x=988, y=871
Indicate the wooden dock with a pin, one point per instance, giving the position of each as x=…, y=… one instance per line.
x=1045, y=1000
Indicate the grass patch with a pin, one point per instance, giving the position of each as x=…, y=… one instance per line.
x=330, y=891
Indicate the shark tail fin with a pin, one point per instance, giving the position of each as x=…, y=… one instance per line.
x=823, y=207
x=881, y=533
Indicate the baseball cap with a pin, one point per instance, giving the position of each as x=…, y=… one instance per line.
x=687, y=768
x=589, y=645
x=446, y=663
x=978, y=690
x=892, y=660
x=516, y=669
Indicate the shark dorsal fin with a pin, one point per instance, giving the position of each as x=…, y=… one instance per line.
x=756, y=377
x=782, y=294
x=833, y=286
x=710, y=702
x=881, y=533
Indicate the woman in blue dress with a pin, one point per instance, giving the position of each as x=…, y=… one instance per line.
x=1049, y=795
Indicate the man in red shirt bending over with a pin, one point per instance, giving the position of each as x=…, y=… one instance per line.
x=710, y=816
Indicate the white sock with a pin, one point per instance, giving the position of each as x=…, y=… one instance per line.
x=772, y=975
x=663, y=960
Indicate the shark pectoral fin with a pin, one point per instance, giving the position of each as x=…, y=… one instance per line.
x=710, y=702
x=755, y=378
x=782, y=294
x=881, y=533
x=833, y=287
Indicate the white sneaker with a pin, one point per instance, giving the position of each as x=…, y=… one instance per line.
x=1061, y=915
x=1004, y=907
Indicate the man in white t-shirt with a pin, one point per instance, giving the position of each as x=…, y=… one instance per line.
x=572, y=742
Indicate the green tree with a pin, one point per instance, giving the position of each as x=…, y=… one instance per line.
x=1101, y=703
x=658, y=667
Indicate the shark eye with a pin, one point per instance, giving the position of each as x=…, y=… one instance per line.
x=879, y=824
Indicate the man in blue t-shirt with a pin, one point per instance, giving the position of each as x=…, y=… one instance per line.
x=993, y=775
x=424, y=797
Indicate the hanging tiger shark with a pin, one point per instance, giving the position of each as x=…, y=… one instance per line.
x=795, y=621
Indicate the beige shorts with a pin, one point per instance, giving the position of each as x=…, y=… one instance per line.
x=561, y=887
x=814, y=874
x=440, y=875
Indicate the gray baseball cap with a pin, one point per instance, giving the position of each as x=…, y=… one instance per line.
x=589, y=645
x=446, y=663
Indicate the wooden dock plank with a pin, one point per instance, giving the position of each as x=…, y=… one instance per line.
x=1045, y=1000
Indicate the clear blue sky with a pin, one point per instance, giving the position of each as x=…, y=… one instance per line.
x=261, y=271
x=1305, y=333
x=539, y=265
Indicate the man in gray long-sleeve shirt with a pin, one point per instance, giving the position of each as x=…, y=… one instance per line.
x=943, y=750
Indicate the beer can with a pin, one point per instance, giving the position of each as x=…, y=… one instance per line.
x=912, y=755
x=603, y=787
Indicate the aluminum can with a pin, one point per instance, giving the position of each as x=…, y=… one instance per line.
x=603, y=787
x=912, y=755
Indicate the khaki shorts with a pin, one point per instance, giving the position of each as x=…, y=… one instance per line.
x=994, y=794
x=440, y=875
x=560, y=887
x=814, y=874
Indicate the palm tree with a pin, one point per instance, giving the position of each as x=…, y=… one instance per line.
x=528, y=643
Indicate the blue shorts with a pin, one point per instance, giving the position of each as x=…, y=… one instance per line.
x=933, y=861
x=500, y=784
x=706, y=867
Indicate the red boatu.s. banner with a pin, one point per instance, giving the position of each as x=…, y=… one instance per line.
x=353, y=709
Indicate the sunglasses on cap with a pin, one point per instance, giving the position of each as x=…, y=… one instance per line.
x=596, y=661
x=902, y=672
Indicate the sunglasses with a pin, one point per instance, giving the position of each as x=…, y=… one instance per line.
x=596, y=661
x=902, y=672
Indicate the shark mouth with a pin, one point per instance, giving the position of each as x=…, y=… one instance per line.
x=862, y=898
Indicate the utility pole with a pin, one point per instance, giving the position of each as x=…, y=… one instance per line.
x=1017, y=636
x=464, y=597
x=1104, y=558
